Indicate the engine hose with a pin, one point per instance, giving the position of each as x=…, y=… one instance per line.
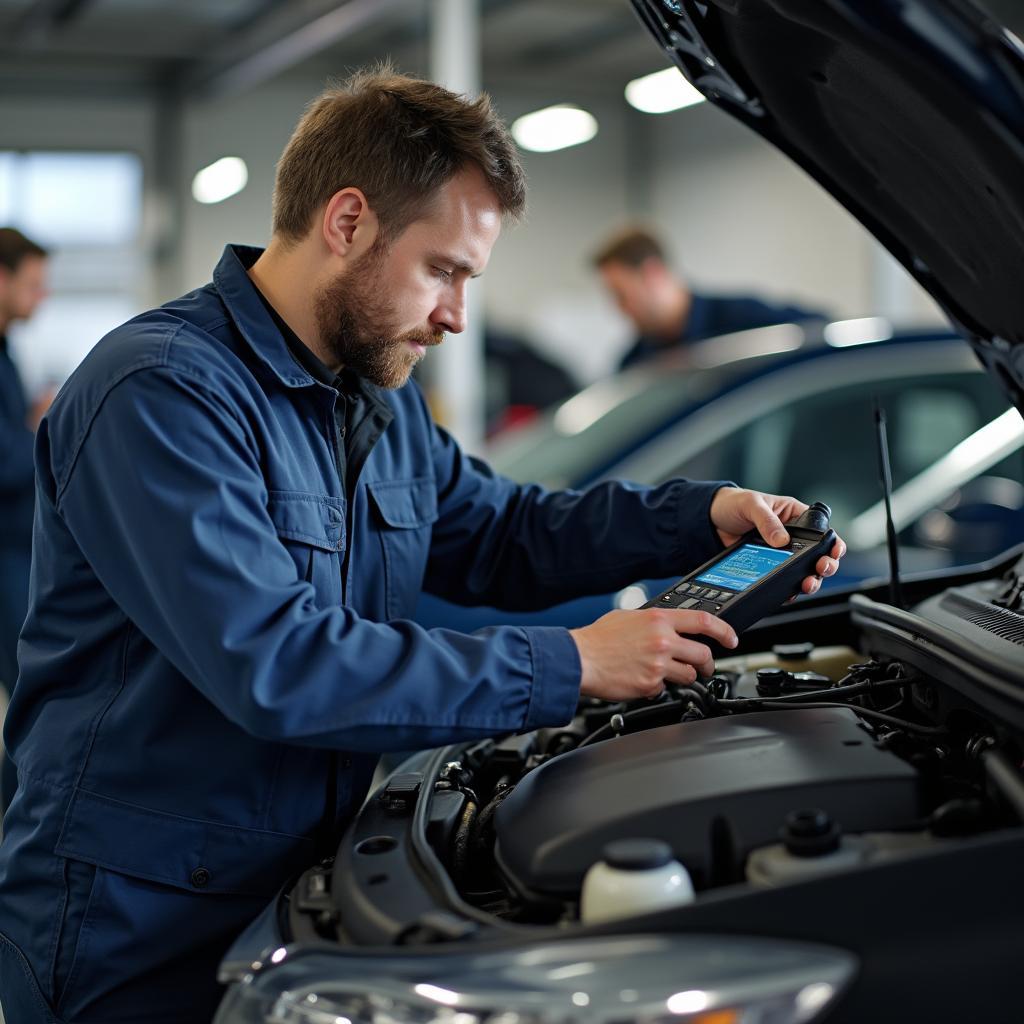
x=461, y=839
x=483, y=825
x=656, y=711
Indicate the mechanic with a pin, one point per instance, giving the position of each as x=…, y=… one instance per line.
x=23, y=266
x=661, y=305
x=240, y=495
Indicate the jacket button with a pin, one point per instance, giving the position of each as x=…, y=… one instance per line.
x=200, y=878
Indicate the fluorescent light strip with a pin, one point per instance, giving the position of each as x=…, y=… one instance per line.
x=662, y=91
x=551, y=128
x=223, y=178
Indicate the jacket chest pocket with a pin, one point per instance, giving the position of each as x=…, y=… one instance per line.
x=404, y=512
x=312, y=528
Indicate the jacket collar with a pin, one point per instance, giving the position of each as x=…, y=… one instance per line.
x=256, y=325
x=251, y=317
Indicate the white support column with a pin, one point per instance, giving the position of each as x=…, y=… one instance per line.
x=455, y=371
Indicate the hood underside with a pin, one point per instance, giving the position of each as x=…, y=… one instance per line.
x=910, y=112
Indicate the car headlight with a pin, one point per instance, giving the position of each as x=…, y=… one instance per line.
x=661, y=979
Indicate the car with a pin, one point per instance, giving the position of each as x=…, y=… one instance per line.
x=830, y=828
x=578, y=440
x=784, y=413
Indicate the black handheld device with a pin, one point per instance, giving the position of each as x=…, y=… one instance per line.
x=750, y=579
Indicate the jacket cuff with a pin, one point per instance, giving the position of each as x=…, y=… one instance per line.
x=696, y=539
x=556, y=677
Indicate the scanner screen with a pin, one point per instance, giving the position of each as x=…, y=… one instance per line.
x=744, y=567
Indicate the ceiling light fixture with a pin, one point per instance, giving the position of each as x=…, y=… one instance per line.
x=551, y=128
x=661, y=92
x=223, y=178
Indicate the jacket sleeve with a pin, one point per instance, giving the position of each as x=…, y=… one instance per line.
x=167, y=503
x=522, y=547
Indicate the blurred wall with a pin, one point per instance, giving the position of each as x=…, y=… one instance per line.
x=256, y=126
x=87, y=122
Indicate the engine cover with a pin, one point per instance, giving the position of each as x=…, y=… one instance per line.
x=714, y=790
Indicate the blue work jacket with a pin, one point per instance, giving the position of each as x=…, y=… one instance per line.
x=712, y=315
x=197, y=676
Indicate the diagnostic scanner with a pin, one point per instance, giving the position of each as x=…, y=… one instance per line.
x=751, y=579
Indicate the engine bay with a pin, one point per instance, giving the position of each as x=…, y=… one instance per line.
x=728, y=774
x=850, y=743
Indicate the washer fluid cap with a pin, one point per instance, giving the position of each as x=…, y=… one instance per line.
x=636, y=854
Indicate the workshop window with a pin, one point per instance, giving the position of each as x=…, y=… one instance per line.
x=86, y=209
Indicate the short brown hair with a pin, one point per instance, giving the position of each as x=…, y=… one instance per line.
x=14, y=247
x=398, y=140
x=632, y=246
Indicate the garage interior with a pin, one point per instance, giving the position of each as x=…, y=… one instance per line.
x=139, y=137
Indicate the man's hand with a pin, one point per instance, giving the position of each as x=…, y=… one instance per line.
x=629, y=654
x=735, y=510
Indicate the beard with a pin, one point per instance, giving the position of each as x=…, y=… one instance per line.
x=358, y=325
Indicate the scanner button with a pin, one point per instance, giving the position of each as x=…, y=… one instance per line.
x=697, y=591
x=668, y=598
x=690, y=602
x=682, y=588
x=712, y=595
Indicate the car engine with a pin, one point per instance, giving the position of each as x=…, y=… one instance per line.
x=787, y=765
x=855, y=749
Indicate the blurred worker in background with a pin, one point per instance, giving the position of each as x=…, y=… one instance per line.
x=663, y=309
x=22, y=288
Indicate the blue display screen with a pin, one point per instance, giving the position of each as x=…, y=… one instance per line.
x=745, y=566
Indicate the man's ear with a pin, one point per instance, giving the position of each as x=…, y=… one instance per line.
x=349, y=224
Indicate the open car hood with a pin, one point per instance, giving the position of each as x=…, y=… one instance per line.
x=910, y=113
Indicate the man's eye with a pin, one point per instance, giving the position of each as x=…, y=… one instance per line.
x=445, y=275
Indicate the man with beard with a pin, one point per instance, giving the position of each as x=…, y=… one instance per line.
x=239, y=498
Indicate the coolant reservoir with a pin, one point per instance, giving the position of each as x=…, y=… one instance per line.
x=811, y=845
x=635, y=876
x=829, y=661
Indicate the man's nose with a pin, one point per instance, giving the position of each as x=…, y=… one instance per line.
x=450, y=314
